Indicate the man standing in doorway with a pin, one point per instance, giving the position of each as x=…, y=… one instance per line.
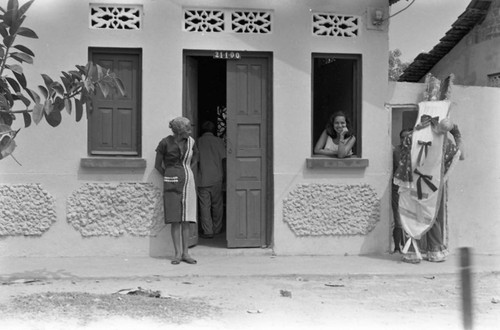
x=212, y=161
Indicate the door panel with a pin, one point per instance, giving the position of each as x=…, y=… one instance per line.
x=191, y=112
x=247, y=84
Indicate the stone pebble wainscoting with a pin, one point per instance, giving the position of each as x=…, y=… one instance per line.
x=25, y=210
x=94, y=209
x=331, y=210
x=100, y=209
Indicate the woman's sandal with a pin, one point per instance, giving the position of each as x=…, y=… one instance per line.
x=176, y=261
x=189, y=260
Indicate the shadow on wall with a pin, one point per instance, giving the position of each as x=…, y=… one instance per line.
x=378, y=241
x=160, y=242
x=160, y=245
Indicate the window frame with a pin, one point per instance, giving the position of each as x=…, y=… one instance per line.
x=356, y=116
x=137, y=153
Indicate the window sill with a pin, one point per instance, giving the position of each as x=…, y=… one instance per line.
x=328, y=162
x=113, y=162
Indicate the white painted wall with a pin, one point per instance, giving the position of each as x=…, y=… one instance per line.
x=474, y=184
x=51, y=156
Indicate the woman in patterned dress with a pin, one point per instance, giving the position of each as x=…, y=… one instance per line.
x=176, y=155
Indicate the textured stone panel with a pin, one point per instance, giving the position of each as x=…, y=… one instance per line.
x=98, y=209
x=331, y=210
x=25, y=209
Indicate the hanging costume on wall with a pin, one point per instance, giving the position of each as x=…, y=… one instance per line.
x=427, y=155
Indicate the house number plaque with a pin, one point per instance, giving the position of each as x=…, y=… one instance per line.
x=227, y=55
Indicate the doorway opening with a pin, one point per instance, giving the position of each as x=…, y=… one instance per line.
x=241, y=84
x=207, y=78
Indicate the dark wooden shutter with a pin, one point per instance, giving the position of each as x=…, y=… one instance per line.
x=114, y=124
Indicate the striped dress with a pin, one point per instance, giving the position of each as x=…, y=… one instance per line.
x=179, y=190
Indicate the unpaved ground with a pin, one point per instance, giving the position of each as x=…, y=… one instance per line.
x=361, y=302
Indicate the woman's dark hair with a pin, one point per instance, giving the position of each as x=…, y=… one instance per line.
x=331, y=131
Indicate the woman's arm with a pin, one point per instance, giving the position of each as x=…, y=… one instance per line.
x=159, y=163
x=345, y=146
x=320, y=145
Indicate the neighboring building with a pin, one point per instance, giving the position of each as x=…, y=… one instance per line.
x=470, y=49
x=279, y=67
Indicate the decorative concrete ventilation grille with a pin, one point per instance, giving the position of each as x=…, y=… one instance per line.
x=113, y=17
x=251, y=22
x=236, y=21
x=204, y=20
x=332, y=25
x=494, y=80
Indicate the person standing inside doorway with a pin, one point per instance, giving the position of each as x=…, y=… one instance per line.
x=176, y=155
x=211, y=177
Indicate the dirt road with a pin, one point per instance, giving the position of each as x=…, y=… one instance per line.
x=314, y=302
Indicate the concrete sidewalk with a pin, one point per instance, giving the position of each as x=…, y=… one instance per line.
x=12, y=268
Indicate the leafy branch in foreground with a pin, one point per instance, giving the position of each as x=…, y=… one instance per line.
x=73, y=92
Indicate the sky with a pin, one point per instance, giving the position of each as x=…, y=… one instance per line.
x=418, y=29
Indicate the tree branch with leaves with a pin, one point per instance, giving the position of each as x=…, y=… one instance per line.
x=73, y=92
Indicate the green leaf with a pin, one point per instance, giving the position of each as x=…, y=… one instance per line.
x=81, y=69
x=6, y=118
x=13, y=5
x=34, y=96
x=101, y=72
x=27, y=119
x=4, y=104
x=11, y=13
x=3, y=85
x=54, y=118
x=3, y=31
x=37, y=113
x=44, y=91
x=16, y=24
x=8, y=40
x=67, y=105
x=48, y=81
x=24, y=49
x=9, y=97
x=104, y=89
x=48, y=107
x=24, y=8
x=15, y=68
x=13, y=83
x=78, y=110
x=120, y=86
x=89, y=85
x=58, y=88
x=22, y=57
x=76, y=75
x=24, y=99
x=67, y=75
x=58, y=104
x=66, y=83
x=21, y=79
x=27, y=32
x=84, y=95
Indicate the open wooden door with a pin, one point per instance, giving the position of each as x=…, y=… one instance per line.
x=191, y=112
x=247, y=107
